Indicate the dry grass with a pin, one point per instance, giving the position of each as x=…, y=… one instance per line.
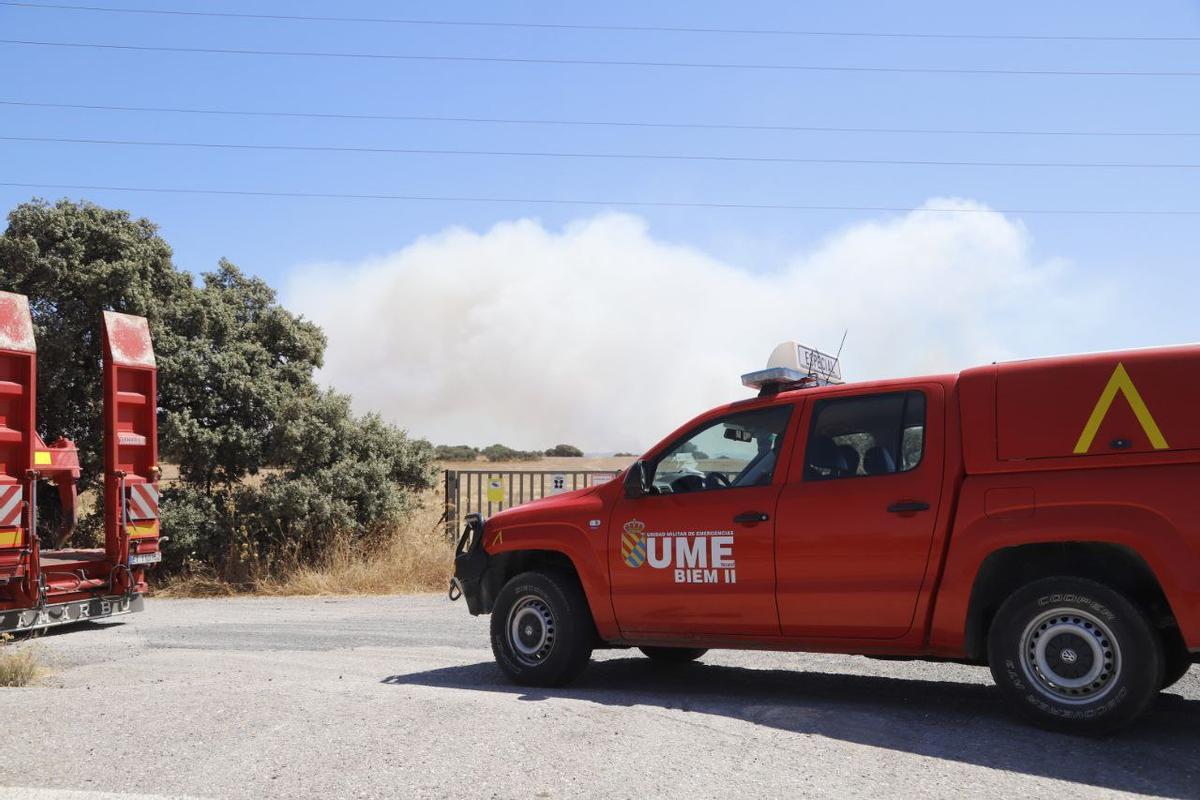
x=416, y=558
x=196, y=584
x=19, y=666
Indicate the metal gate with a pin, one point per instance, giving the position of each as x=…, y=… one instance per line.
x=484, y=491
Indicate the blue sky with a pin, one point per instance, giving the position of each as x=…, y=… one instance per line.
x=1149, y=261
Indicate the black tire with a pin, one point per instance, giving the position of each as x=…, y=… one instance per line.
x=1075, y=656
x=1176, y=658
x=553, y=644
x=673, y=655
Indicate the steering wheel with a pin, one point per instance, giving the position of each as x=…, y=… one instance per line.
x=719, y=478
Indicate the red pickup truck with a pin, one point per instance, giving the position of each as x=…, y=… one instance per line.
x=1041, y=517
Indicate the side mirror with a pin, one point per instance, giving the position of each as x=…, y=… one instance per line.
x=635, y=481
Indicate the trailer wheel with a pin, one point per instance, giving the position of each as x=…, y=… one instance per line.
x=1074, y=655
x=542, y=629
x=673, y=655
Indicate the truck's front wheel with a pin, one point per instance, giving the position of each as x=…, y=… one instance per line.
x=542, y=630
x=1074, y=655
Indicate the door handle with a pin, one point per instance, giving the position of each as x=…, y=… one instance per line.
x=752, y=516
x=907, y=507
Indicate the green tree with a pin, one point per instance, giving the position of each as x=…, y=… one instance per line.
x=565, y=451
x=501, y=452
x=456, y=452
x=354, y=475
x=233, y=357
x=73, y=261
x=236, y=389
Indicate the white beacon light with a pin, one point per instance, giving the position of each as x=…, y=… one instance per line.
x=794, y=366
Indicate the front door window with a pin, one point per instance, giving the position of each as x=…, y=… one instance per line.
x=735, y=451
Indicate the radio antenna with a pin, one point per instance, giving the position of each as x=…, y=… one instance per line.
x=837, y=360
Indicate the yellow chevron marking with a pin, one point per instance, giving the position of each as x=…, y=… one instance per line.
x=1120, y=382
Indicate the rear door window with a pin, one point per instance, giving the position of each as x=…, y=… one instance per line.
x=867, y=435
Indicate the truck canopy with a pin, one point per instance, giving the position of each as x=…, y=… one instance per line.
x=1101, y=410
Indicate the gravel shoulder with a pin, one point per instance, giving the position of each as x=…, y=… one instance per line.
x=398, y=696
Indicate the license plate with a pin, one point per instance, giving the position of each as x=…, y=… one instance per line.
x=145, y=558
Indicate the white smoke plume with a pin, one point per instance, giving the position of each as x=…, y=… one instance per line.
x=600, y=336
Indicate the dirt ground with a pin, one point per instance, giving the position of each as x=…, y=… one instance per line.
x=388, y=697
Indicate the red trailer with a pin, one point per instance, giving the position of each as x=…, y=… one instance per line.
x=43, y=583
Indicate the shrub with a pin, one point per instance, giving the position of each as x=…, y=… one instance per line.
x=198, y=524
x=499, y=452
x=565, y=451
x=347, y=476
x=456, y=452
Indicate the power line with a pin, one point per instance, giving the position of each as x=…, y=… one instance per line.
x=608, y=63
x=609, y=28
x=599, y=123
x=585, y=202
x=608, y=156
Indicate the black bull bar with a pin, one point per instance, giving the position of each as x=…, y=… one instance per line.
x=470, y=565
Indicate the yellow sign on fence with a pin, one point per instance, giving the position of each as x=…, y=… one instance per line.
x=495, y=492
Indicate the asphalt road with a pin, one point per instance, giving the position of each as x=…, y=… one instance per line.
x=398, y=697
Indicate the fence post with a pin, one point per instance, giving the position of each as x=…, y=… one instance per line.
x=450, y=506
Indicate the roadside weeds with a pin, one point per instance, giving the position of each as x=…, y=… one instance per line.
x=20, y=665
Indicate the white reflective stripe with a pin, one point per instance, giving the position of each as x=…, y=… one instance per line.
x=137, y=506
x=143, y=501
x=10, y=506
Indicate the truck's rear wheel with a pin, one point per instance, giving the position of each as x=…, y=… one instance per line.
x=1074, y=655
x=1176, y=659
x=542, y=630
x=673, y=655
